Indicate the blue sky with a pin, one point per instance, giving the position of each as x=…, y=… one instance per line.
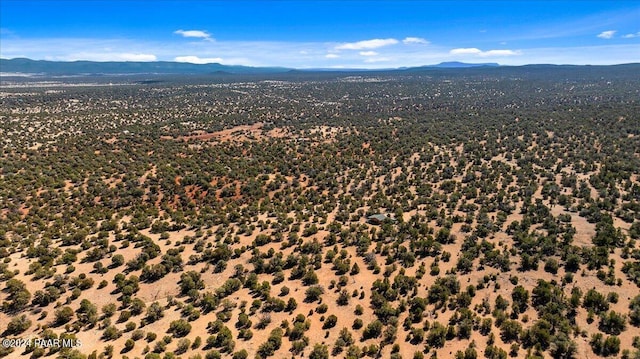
x=327, y=34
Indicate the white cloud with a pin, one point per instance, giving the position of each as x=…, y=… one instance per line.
x=368, y=53
x=499, y=53
x=194, y=33
x=631, y=36
x=607, y=34
x=465, y=51
x=367, y=44
x=198, y=60
x=137, y=57
x=373, y=60
x=480, y=53
x=331, y=56
x=414, y=40
x=107, y=56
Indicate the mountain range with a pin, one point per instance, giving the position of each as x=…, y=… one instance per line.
x=28, y=66
x=41, y=68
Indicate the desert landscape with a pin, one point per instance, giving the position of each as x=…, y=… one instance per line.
x=476, y=213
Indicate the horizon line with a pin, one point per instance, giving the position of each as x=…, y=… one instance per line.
x=337, y=69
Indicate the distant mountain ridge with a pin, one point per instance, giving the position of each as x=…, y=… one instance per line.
x=93, y=68
x=457, y=64
x=23, y=65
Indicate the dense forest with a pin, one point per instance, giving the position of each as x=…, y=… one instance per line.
x=234, y=216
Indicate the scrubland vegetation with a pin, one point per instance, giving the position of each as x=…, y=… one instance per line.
x=228, y=219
